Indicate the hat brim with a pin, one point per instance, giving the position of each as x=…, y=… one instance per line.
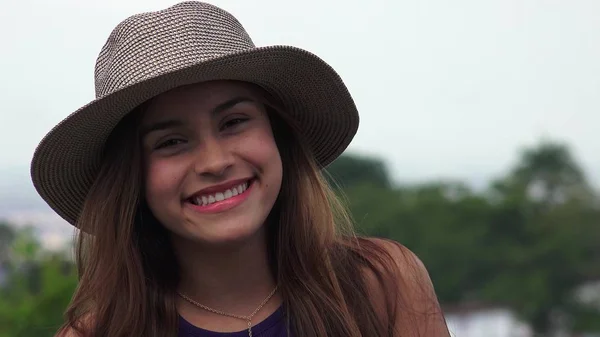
x=67, y=159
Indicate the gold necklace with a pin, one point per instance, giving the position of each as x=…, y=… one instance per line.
x=248, y=318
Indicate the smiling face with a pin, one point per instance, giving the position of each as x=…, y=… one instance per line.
x=212, y=167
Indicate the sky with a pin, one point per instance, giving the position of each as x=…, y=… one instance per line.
x=445, y=89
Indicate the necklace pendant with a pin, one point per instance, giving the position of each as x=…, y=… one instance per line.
x=249, y=329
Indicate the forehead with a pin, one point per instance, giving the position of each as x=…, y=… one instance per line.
x=201, y=97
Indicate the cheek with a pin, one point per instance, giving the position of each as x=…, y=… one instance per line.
x=162, y=179
x=261, y=150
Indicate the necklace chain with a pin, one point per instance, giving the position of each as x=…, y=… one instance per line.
x=248, y=318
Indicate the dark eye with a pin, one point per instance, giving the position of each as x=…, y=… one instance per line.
x=233, y=122
x=169, y=143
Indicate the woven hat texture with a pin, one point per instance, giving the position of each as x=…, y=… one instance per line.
x=150, y=53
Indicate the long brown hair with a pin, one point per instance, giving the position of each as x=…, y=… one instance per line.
x=128, y=272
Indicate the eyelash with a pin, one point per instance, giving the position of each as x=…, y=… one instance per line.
x=237, y=121
x=169, y=143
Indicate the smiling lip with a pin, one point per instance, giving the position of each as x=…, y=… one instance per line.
x=220, y=198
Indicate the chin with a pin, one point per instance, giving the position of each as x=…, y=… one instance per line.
x=225, y=233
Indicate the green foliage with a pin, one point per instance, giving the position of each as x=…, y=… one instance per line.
x=350, y=169
x=527, y=242
x=7, y=235
x=38, y=287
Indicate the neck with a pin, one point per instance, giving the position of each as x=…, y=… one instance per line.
x=235, y=278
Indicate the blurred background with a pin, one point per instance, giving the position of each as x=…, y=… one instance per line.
x=477, y=147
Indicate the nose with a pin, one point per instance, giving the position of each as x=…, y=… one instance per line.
x=213, y=158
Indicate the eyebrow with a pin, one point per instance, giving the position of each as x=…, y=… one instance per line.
x=173, y=123
x=230, y=104
x=162, y=125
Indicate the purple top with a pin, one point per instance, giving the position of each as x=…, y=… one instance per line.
x=272, y=326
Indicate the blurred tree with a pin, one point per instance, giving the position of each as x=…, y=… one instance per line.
x=7, y=235
x=443, y=223
x=528, y=242
x=350, y=169
x=37, y=290
x=44, y=315
x=545, y=232
x=550, y=175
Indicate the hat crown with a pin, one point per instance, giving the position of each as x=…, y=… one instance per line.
x=150, y=44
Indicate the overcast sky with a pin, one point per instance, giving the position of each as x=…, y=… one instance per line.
x=444, y=88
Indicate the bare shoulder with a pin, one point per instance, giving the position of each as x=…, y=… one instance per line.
x=402, y=276
x=403, y=257
x=401, y=265
x=408, y=266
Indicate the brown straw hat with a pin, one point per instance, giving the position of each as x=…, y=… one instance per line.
x=151, y=53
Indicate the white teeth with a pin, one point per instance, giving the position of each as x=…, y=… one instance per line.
x=220, y=196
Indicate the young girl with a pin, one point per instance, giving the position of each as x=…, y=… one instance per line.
x=195, y=179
